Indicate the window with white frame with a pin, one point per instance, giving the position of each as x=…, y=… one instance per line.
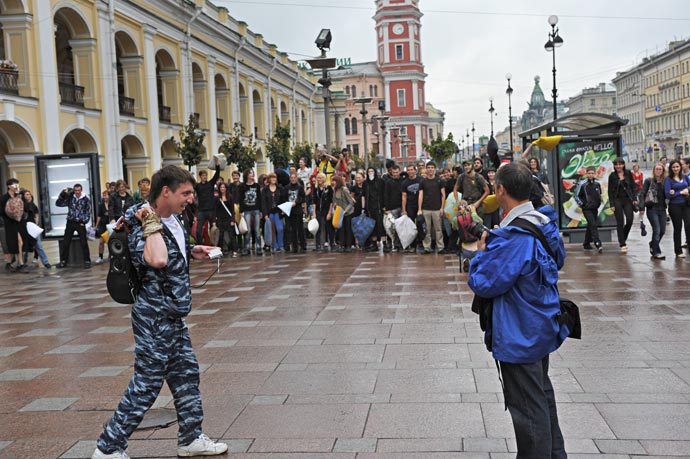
x=399, y=53
x=401, y=97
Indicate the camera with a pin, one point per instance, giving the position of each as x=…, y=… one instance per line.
x=476, y=229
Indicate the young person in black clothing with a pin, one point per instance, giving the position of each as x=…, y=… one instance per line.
x=250, y=210
x=373, y=205
x=296, y=195
x=271, y=197
x=234, y=189
x=622, y=201
x=102, y=219
x=321, y=198
x=392, y=203
x=588, y=197
x=431, y=198
x=224, y=218
x=204, y=195
x=409, y=197
x=120, y=201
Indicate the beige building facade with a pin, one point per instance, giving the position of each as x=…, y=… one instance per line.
x=121, y=78
x=599, y=99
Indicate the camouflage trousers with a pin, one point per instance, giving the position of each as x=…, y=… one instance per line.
x=163, y=353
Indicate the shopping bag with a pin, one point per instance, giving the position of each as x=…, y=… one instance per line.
x=406, y=230
x=313, y=226
x=242, y=226
x=222, y=162
x=338, y=216
x=33, y=229
x=214, y=235
x=268, y=232
x=362, y=226
x=389, y=225
x=451, y=209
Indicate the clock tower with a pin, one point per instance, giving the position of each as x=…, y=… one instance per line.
x=399, y=59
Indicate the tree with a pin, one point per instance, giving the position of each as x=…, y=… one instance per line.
x=243, y=156
x=190, y=147
x=441, y=149
x=278, y=146
x=302, y=150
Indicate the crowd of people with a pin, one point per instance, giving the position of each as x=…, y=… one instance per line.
x=247, y=215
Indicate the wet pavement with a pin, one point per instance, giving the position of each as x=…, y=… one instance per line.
x=358, y=355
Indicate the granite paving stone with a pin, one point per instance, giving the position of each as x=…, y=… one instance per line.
x=365, y=356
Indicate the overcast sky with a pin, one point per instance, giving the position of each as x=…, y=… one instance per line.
x=469, y=45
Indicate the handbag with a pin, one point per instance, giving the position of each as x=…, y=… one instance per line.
x=651, y=197
x=547, y=199
x=338, y=216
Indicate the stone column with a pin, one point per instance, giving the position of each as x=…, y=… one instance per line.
x=48, y=81
x=151, y=91
x=212, y=109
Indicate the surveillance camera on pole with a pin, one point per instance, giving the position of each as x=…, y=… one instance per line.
x=323, y=63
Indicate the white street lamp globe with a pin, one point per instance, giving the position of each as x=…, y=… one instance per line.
x=509, y=76
x=553, y=20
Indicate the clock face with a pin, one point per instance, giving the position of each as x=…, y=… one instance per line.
x=398, y=29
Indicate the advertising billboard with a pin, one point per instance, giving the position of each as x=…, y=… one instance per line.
x=573, y=159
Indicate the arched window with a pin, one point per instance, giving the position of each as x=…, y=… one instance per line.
x=354, y=91
x=354, y=126
x=376, y=90
x=347, y=126
x=371, y=90
x=347, y=90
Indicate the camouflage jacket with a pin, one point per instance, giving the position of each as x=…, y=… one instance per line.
x=165, y=290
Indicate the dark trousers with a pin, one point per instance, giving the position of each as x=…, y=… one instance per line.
x=296, y=229
x=592, y=233
x=202, y=217
x=530, y=399
x=225, y=230
x=624, y=219
x=345, y=236
x=326, y=233
x=163, y=354
x=70, y=228
x=680, y=218
x=657, y=219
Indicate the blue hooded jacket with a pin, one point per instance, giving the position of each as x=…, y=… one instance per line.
x=519, y=274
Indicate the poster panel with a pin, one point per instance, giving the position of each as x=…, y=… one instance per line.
x=573, y=159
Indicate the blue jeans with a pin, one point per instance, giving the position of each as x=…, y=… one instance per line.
x=277, y=222
x=41, y=251
x=253, y=221
x=529, y=398
x=657, y=218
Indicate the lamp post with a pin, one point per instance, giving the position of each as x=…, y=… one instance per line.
x=323, y=63
x=491, y=114
x=473, y=153
x=364, y=101
x=467, y=144
x=555, y=41
x=509, y=91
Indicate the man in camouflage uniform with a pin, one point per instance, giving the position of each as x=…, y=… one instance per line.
x=163, y=349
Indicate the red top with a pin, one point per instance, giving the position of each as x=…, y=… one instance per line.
x=639, y=179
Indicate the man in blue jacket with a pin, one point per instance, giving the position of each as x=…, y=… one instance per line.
x=513, y=268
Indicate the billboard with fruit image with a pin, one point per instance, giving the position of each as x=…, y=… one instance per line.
x=573, y=160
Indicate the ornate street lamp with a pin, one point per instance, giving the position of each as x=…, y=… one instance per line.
x=491, y=112
x=555, y=41
x=509, y=91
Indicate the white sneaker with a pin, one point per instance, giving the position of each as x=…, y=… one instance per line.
x=680, y=255
x=624, y=249
x=202, y=446
x=98, y=454
x=99, y=260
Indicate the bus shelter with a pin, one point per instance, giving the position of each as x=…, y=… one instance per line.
x=588, y=139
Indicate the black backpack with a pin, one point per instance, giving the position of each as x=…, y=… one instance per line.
x=123, y=281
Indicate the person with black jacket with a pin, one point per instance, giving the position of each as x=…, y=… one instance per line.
x=204, y=195
x=655, y=205
x=321, y=199
x=588, y=197
x=78, y=215
x=373, y=206
x=224, y=218
x=392, y=203
x=622, y=201
x=271, y=197
x=250, y=211
x=295, y=194
x=119, y=201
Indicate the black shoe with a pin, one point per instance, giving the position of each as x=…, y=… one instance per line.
x=259, y=253
x=587, y=246
x=302, y=250
x=62, y=264
x=425, y=252
x=47, y=266
x=443, y=252
x=10, y=268
x=87, y=264
x=23, y=268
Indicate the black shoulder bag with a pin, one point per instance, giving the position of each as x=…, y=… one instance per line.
x=570, y=313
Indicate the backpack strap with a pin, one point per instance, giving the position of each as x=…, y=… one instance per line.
x=536, y=232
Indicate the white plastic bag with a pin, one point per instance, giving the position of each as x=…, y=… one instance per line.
x=406, y=229
x=222, y=162
x=313, y=226
x=243, y=226
x=389, y=225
